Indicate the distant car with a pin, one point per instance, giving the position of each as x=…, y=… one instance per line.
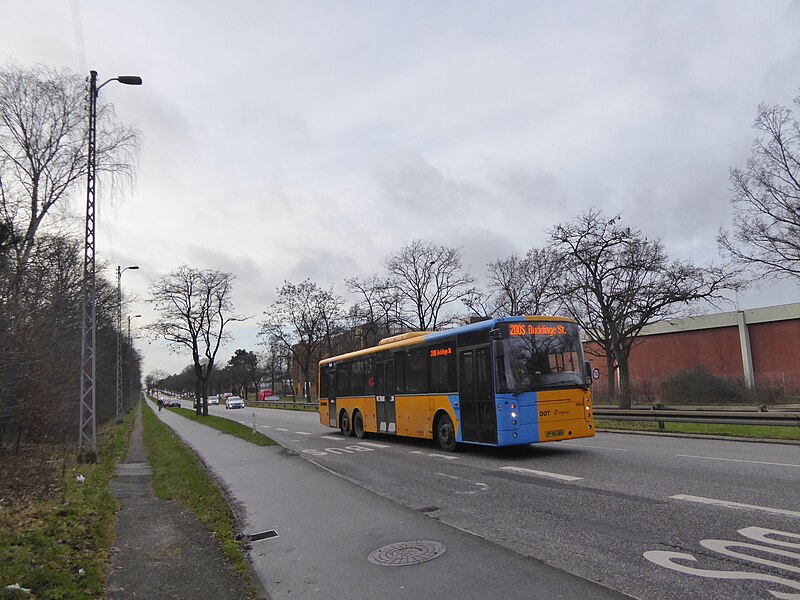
x=234, y=402
x=172, y=402
x=213, y=400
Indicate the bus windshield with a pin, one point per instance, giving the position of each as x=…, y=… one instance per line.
x=536, y=355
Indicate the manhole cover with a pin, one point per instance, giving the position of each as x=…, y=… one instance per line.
x=406, y=553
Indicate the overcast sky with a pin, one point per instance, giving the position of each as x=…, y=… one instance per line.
x=285, y=140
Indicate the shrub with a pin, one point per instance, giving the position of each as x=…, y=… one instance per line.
x=698, y=386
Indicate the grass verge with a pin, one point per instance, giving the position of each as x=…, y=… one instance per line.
x=226, y=426
x=178, y=475
x=748, y=431
x=59, y=547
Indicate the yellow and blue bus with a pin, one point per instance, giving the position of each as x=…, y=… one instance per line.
x=499, y=382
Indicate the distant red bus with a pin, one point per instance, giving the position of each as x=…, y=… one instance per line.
x=264, y=394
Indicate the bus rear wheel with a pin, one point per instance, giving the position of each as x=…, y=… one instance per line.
x=358, y=425
x=445, y=433
x=344, y=424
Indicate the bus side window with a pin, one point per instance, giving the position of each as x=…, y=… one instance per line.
x=442, y=363
x=323, y=381
x=399, y=371
x=357, y=378
x=417, y=371
x=342, y=379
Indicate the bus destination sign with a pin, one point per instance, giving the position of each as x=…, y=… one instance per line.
x=521, y=329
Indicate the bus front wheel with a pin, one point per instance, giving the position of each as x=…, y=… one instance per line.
x=446, y=433
x=344, y=424
x=358, y=425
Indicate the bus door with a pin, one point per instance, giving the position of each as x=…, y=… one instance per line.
x=384, y=397
x=476, y=395
x=333, y=417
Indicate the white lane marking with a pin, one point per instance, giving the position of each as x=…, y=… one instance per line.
x=741, y=460
x=590, y=446
x=739, y=505
x=333, y=437
x=445, y=456
x=435, y=455
x=266, y=426
x=281, y=429
x=450, y=476
x=374, y=445
x=541, y=473
x=304, y=433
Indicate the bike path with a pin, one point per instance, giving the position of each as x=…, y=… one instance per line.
x=327, y=529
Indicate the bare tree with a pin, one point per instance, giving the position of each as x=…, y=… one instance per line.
x=154, y=377
x=615, y=281
x=194, y=308
x=766, y=198
x=428, y=278
x=301, y=320
x=43, y=129
x=330, y=312
x=378, y=308
x=517, y=286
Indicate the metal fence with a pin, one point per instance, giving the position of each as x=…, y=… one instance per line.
x=283, y=404
x=724, y=417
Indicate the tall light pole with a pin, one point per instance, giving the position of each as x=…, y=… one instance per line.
x=87, y=437
x=130, y=353
x=120, y=271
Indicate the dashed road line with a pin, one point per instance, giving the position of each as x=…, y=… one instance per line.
x=304, y=433
x=739, y=505
x=541, y=473
x=752, y=462
x=434, y=455
x=333, y=437
x=590, y=446
x=374, y=445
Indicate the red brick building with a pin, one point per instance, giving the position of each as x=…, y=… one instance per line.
x=760, y=346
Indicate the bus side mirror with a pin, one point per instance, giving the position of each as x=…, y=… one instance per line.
x=587, y=367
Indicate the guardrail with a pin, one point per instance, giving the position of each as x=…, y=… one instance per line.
x=282, y=404
x=723, y=417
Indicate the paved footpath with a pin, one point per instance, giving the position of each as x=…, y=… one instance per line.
x=161, y=551
x=327, y=529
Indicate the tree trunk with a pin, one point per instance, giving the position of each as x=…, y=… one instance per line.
x=198, y=397
x=624, y=384
x=610, y=383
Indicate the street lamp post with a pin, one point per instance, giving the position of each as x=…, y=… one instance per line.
x=130, y=354
x=87, y=438
x=120, y=271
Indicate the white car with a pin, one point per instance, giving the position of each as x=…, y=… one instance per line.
x=234, y=402
x=213, y=400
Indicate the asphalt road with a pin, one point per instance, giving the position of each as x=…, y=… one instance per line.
x=651, y=517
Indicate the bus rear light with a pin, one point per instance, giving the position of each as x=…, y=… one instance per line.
x=514, y=422
x=513, y=415
x=513, y=406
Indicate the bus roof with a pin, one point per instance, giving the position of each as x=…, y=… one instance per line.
x=412, y=338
